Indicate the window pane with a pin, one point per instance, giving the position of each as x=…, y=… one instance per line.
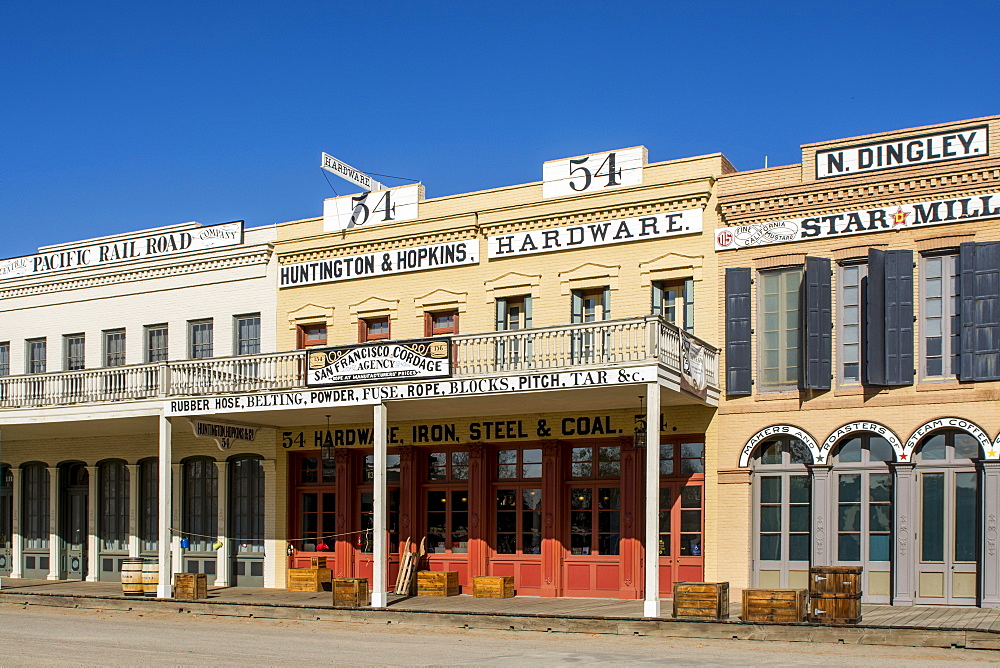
x=799, y=518
x=966, y=447
x=798, y=489
x=878, y=547
x=966, y=524
x=849, y=488
x=932, y=517
x=879, y=449
x=770, y=518
x=798, y=547
x=770, y=489
x=933, y=448
x=850, y=450
x=849, y=547
x=770, y=547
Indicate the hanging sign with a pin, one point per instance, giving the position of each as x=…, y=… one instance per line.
x=367, y=265
x=693, y=378
x=596, y=172
x=904, y=152
x=371, y=208
x=122, y=249
x=224, y=434
x=865, y=221
x=348, y=173
x=588, y=235
x=392, y=360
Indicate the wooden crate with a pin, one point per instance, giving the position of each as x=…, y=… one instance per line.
x=835, y=580
x=701, y=600
x=190, y=586
x=437, y=583
x=317, y=562
x=308, y=579
x=774, y=605
x=835, y=594
x=351, y=592
x=493, y=586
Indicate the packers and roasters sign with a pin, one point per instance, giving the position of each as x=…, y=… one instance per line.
x=922, y=149
x=882, y=219
x=415, y=359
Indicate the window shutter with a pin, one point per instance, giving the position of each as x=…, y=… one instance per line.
x=818, y=323
x=527, y=311
x=980, y=317
x=501, y=314
x=889, y=318
x=657, y=298
x=899, y=317
x=577, y=306
x=738, y=360
x=874, y=353
x=689, y=304
x=606, y=305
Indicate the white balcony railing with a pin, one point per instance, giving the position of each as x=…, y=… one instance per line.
x=631, y=341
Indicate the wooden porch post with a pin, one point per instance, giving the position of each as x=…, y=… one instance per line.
x=651, y=604
x=380, y=554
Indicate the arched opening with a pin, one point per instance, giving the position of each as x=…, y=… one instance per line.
x=35, y=521
x=74, y=492
x=200, y=515
x=246, y=520
x=112, y=518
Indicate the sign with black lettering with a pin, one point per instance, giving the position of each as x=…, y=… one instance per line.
x=223, y=433
x=596, y=172
x=389, y=360
x=371, y=208
x=180, y=239
x=400, y=261
x=655, y=226
x=903, y=152
x=895, y=217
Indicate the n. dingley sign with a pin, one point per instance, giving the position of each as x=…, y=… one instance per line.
x=596, y=234
x=896, y=217
x=904, y=152
x=393, y=360
x=418, y=258
x=122, y=249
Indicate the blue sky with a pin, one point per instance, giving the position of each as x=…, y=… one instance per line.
x=119, y=116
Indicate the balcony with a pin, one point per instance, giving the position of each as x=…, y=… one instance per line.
x=627, y=342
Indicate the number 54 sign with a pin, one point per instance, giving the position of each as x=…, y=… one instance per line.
x=371, y=208
x=593, y=173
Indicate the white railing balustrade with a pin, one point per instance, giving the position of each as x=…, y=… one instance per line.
x=627, y=341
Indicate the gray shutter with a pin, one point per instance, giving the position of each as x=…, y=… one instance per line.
x=606, y=303
x=980, y=311
x=657, y=298
x=689, y=304
x=527, y=311
x=889, y=318
x=738, y=347
x=899, y=317
x=874, y=352
x=818, y=324
x=577, y=307
x=501, y=314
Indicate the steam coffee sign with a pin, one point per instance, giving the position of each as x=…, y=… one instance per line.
x=415, y=359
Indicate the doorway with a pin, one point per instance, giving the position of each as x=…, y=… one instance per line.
x=73, y=525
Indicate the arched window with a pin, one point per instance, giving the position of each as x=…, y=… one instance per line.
x=201, y=513
x=149, y=505
x=114, y=506
x=35, y=507
x=246, y=502
x=783, y=514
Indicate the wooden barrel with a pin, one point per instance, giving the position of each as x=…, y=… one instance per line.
x=150, y=576
x=835, y=594
x=132, y=577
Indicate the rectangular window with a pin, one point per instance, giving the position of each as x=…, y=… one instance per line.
x=674, y=301
x=200, y=337
x=74, y=350
x=36, y=356
x=850, y=306
x=248, y=334
x=5, y=358
x=519, y=521
x=590, y=306
x=373, y=329
x=524, y=464
x=513, y=314
x=780, y=327
x=312, y=335
x=156, y=343
x=441, y=322
x=941, y=323
x=114, y=347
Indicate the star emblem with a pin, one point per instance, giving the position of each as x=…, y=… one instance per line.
x=991, y=453
x=899, y=218
x=902, y=457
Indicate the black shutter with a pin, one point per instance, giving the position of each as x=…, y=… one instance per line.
x=818, y=324
x=889, y=318
x=980, y=311
x=738, y=347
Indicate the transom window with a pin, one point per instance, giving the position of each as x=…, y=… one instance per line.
x=317, y=470
x=779, y=324
x=445, y=466
x=682, y=458
x=525, y=463
x=597, y=461
x=391, y=468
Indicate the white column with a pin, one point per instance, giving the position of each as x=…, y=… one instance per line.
x=990, y=564
x=92, y=504
x=223, y=564
x=163, y=588
x=380, y=555
x=16, y=543
x=274, y=551
x=177, y=488
x=133, y=510
x=54, y=547
x=651, y=604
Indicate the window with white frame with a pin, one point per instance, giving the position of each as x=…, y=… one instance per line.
x=156, y=343
x=74, y=350
x=940, y=321
x=850, y=322
x=114, y=347
x=200, y=338
x=5, y=358
x=779, y=318
x=36, y=356
x=248, y=334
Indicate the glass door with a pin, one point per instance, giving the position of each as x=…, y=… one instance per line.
x=947, y=542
